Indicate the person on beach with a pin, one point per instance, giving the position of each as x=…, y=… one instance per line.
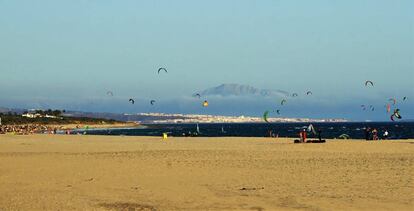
x=367, y=133
x=385, y=135
x=320, y=134
x=303, y=135
x=374, y=134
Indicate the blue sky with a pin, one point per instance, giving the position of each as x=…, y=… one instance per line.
x=66, y=54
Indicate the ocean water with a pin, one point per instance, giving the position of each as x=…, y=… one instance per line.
x=400, y=130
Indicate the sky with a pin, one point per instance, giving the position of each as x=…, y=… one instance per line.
x=68, y=54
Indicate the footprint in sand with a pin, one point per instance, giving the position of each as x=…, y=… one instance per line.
x=252, y=188
x=89, y=180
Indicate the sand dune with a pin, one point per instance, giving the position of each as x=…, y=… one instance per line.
x=52, y=172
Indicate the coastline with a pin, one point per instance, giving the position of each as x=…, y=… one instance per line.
x=97, y=126
x=84, y=125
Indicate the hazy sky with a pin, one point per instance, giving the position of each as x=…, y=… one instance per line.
x=69, y=53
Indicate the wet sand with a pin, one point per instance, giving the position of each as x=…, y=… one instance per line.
x=57, y=172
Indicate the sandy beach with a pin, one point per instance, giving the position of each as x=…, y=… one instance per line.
x=57, y=172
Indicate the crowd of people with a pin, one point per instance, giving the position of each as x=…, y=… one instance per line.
x=27, y=129
x=373, y=134
x=370, y=134
x=303, y=135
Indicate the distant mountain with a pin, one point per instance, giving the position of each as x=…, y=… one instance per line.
x=242, y=90
x=13, y=110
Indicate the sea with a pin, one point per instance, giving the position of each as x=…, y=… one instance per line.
x=355, y=130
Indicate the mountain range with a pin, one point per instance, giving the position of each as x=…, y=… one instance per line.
x=242, y=90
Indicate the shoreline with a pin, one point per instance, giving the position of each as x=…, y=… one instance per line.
x=99, y=126
x=160, y=137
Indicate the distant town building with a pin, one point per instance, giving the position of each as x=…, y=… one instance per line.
x=36, y=115
x=31, y=115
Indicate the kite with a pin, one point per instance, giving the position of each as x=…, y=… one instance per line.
x=162, y=68
x=197, y=95
x=309, y=93
x=283, y=102
x=311, y=129
x=388, y=108
x=152, y=102
x=372, y=107
x=132, y=101
x=294, y=94
x=369, y=82
x=396, y=114
x=363, y=107
x=109, y=93
x=265, y=114
x=393, y=100
x=344, y=136
x=205, y=103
